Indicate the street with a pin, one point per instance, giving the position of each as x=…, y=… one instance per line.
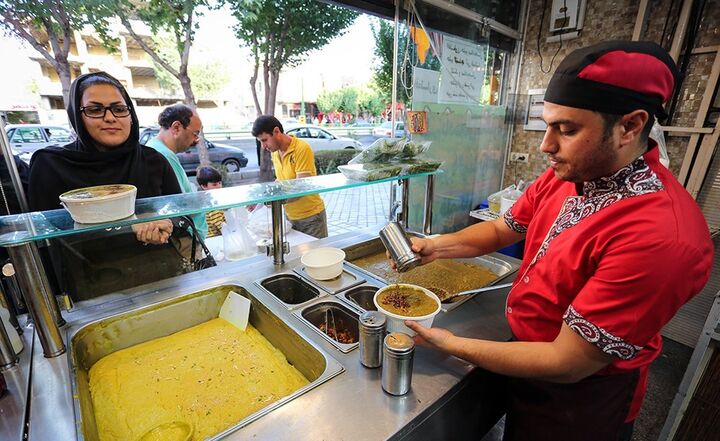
x=248, y=147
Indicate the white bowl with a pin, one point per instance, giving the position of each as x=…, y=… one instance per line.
x=103, y=203
x=323, y=263
x=395, y=322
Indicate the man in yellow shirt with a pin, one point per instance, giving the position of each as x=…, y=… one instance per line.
x=292, y=159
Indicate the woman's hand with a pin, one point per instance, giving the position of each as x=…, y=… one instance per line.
x=154, y=233
x=424, y=247
x=436, y=338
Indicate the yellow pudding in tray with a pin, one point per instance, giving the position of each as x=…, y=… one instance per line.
x=208, y=377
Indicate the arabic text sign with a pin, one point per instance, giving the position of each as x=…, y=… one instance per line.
x=425, y=85
x=463, y=69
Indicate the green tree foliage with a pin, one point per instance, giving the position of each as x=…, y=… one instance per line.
x=346, y=100
x=208, y=78
x=383, y=34
x=280, y=33
x=176, y=17
x=370, y=102
x=328, y=101
x=48, y=26
x=407, y=58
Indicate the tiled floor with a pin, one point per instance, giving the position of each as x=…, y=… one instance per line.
x=357, y=208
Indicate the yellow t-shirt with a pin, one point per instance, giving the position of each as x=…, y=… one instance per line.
x=298, y=158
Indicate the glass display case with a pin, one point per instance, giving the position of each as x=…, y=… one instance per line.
x=19, y=233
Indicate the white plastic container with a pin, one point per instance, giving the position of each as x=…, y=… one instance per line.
x=508, y=199
x=395, y=322
x=103, y=203
x=323, y=263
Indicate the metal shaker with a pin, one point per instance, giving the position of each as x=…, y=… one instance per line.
x=398, y=350
x=398, y=245
x=372, y=332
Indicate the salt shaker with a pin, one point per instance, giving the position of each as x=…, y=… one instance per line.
x=399, y=349
x=399, y=246
x=372, y=332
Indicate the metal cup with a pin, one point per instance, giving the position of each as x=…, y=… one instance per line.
x=398, y=351
x=399, y=246
x=372, y=333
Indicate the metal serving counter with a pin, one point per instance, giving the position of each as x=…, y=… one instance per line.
x=350, y=406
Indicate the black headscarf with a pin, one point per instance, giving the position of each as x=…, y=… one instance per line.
x=55, y=170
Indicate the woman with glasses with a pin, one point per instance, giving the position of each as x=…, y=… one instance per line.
x=106, y=151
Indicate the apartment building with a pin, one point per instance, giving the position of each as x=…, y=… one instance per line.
x=128, y=63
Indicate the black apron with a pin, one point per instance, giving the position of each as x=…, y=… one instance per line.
x=593, y=409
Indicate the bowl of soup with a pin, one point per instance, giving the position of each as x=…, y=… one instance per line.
x=402, y=301
x=102, y=203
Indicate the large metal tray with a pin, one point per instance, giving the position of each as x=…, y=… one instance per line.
x=497, y=263
x=90, y=342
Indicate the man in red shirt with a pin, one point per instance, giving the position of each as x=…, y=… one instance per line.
x=614, y=246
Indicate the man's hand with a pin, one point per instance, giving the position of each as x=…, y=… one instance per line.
x=424, y=247
x=435, y=338
x=154, y=233
x=567, y=359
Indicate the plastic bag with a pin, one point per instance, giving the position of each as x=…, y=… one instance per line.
x=411, y=149
x=380, y=151
x=370, y=171
x=237, y=242
x=260, y=222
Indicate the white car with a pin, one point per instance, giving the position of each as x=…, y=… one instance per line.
x=27, y=138
x=321, y=139
x=384, y=129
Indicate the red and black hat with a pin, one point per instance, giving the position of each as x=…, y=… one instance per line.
x=615, y=77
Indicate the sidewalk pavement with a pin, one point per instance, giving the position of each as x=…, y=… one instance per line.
x=357, y=208
x=347, y=210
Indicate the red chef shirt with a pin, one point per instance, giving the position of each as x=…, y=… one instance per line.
x=615, y=262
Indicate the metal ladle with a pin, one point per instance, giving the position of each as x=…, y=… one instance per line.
x=471, y=292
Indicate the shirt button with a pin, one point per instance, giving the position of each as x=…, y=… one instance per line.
x=526, y=279
x=509, y=310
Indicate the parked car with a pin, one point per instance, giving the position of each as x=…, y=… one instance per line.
x=27, y=138
x=232, y=158
x=321, y=139
x=384, y=129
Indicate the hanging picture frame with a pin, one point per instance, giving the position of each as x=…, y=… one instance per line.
x=417, y=122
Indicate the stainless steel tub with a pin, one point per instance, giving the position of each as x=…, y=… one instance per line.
x=495, y=262
x=361, y=297
x=290, y=290
x=329, y=311
x=90, y=342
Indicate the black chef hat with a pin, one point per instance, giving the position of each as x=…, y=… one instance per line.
x=615, y=77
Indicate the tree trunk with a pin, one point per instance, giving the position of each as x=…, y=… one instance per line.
x=266, y=168
x=272, y=89
x=63, y=71
x=202, y=150
x=253, y=79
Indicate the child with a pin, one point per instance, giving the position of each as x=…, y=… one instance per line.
x=208, y=178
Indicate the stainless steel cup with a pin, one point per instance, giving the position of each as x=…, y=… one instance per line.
x=398, y=351
x=372, y=333
x=399, y=246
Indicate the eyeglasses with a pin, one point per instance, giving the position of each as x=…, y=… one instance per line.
x=119, y=110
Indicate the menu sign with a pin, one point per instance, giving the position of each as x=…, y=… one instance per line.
x=462, y=72
x=425, y=85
